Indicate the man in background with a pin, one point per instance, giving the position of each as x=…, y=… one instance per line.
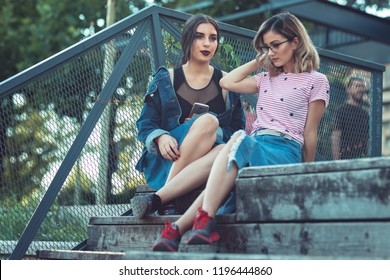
x=351, y=123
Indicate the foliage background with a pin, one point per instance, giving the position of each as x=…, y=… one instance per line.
x=33, y=30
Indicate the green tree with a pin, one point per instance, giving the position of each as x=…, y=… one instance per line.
x=36, y=29
x=32, y=31
x=362, y=5
x=221, y=8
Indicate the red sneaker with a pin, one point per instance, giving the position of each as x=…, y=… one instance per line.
x=169, y=240
x=204, y=229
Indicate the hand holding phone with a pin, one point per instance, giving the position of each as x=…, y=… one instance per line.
x=198, y=108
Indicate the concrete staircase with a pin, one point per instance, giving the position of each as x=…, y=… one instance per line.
x=322, y=210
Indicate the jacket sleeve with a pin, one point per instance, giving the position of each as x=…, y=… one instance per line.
x=237, y=121
x=149, y=123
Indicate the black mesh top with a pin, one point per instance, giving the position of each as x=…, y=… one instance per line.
x=187, y=96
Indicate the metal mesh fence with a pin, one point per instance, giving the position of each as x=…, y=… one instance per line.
x=41, y=119
x=344, y=129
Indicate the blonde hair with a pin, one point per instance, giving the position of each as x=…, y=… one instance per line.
x=305, y=56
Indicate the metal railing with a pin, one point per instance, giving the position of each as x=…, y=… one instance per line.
x=68, y=136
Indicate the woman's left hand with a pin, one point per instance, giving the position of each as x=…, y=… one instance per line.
x=168, y=147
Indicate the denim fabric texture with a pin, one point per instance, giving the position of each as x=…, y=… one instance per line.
x=229, y=206
x=160, y=115
x=261, y=150
x=264, y=150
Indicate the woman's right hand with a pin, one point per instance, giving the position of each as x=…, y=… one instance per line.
x=168, y=147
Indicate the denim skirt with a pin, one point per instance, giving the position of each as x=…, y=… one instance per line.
x=261, y=150
x=155, y=167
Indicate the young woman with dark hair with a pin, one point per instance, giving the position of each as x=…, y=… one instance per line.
x=173, y=139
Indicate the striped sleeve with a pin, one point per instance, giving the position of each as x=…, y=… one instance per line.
x=320, y=89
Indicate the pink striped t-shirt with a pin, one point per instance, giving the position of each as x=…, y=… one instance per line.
x=283, y=100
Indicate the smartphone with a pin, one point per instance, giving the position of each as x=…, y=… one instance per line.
x=199, y=108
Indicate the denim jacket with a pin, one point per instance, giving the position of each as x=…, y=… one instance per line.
x=161, y=112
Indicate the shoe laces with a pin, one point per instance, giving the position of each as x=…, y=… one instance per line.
x=169, y=232
x=201, y=220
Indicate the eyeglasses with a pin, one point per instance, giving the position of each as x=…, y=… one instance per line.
x=273, y=46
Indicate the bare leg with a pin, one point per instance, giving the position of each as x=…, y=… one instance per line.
x=221, y=181
x=218, y=186
x=191, y=177
x=198, y=142
x=185, y=221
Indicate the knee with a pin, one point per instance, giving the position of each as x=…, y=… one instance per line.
x=236, y=135
x=206, y=124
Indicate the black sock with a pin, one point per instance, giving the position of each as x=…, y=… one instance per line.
x=156, y=202
x=175, y=227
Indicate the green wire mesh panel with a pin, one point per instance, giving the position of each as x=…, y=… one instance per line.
x=41, y=122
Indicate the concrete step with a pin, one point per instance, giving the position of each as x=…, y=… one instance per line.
x=78, y=255
x=148, y=255
x=320, y=191
x=364, y=239
x=128, y=233
x=141, y=255
x=156, y=219
x=338, y=208
x=322, y=210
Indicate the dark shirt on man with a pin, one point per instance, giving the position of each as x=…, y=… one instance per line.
x=353, y=122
